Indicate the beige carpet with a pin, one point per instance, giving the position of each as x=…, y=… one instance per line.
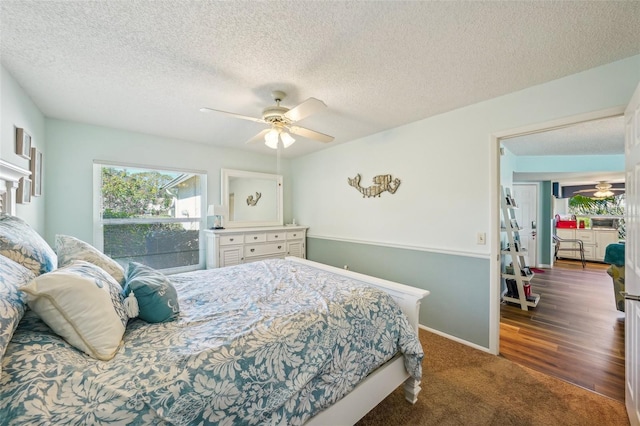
x=465, y=386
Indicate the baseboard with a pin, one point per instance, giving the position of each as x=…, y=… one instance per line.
x=455, y=339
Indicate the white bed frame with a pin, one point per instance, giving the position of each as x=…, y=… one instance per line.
x=9, y=180
x=376, y=387
x=379, y=384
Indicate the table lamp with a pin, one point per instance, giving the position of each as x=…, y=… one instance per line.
x=218, y=212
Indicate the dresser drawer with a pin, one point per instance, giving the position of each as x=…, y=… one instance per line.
x=255, y=238
x=585, y=236
x=234, y=246
x=295, y=235
x=276, y=236
x=228, y=240
x=264, y=249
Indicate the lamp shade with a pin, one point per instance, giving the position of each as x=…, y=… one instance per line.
x=287, y=139
x=271, y=139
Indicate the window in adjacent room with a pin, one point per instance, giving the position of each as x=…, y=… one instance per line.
x=151, y=216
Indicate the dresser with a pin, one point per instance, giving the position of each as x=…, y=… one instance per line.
x=233, y=246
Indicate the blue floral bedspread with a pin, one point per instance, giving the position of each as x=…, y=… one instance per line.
x=269, y=342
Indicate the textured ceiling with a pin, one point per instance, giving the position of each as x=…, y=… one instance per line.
x=149, y=66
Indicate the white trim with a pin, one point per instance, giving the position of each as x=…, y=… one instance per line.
x=495, y=138
x=401, y=246
x=99, y=222
x=12, y=172
x=560, y=123
x=144, y=220
x=494, y=229
x=455, y=339
x=148, y=167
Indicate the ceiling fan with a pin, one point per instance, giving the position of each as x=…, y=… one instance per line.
x=603, y=189
x=281, y=121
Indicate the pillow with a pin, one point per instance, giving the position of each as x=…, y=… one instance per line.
x=157, y=297
x=20, y=243
x=70, y=248
x=82, y=304
x=12, y=302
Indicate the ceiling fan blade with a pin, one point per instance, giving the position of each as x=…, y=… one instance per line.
x=233, y=114
x=305, y=109
x=259, y=137
x=311, y=134
x=593, y=191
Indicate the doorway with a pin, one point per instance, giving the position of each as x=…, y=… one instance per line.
x=498, y=139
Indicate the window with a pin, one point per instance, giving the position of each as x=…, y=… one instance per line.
x=150, y=216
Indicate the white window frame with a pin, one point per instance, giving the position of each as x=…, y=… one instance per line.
x=98, y=222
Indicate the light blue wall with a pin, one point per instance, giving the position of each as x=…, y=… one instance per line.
x=18, y=110
x=444, y=200
x=450, y=279
x=74, y=147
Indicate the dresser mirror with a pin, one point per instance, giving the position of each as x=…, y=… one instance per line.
x=251, y=199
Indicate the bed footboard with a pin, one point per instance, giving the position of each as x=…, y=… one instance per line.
x=379, y=384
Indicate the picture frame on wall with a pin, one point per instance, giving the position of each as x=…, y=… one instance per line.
x=23, y=143
x=23, y=194
x=36, y=172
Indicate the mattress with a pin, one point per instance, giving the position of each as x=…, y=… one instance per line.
x=266, y=342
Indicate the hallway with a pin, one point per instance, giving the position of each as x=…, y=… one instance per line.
x=575, y=333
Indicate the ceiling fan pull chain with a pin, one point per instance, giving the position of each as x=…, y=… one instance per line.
x=278, y=154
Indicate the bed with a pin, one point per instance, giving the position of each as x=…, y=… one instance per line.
x=281, y=341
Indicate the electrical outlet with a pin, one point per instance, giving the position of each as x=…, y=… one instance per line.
x=481, y=239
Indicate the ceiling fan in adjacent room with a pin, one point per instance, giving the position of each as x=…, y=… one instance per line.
x=281, y=121
x=602, y=190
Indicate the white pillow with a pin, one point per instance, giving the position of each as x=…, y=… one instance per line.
x=70, y=249
x=82, y=304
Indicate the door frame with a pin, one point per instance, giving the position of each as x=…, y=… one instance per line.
x=494, y=139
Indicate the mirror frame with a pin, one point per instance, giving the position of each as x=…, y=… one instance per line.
x=227, y=174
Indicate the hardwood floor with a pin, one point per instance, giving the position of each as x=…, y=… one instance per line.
x=575, y=333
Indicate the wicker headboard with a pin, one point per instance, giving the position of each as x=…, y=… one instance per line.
x=10, y=176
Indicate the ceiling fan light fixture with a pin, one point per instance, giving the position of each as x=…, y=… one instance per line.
x=271, y=139
x=287, y=139
x=282, y=121
x=603, y=194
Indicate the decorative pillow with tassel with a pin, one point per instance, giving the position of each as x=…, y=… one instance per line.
x=155, y=296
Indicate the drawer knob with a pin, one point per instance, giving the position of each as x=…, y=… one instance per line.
x=275, y=236
x=295, y=235
x=252, y=250
x=230, y=239
x=255, y=238
x=279, y=247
